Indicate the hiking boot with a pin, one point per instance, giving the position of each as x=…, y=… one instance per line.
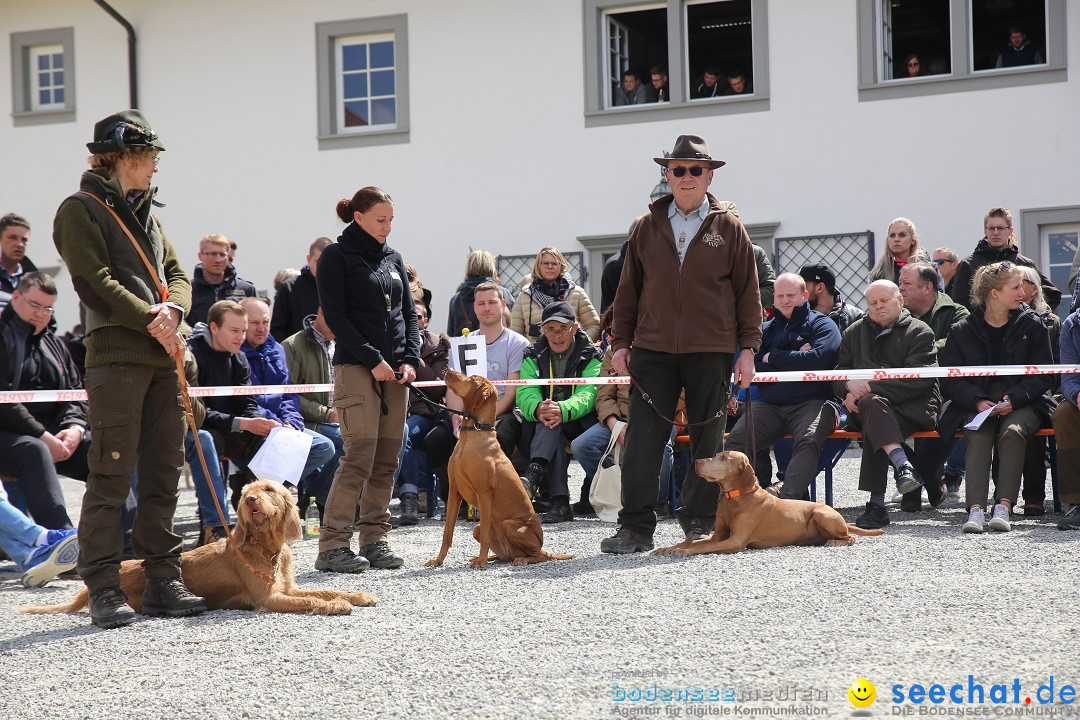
x=912, y=501
x=583, y=508
x=341, y=560
x=560, y=511
x=381, y=556
x=212, y=534
x=532, y=479
x=976, y=522
x=906, y=478
x=952, y=483
x=410, y=508
x=1000, y=519
x=109, y=608
x=874, y=517
x=698, y=527
x=1034, y=509
x=58, y=555
x=169, y=597
x=625, y=541
x=1071, y=519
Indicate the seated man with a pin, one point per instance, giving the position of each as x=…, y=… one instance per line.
x=796, y=338
x=14, y=237
x=919, y=286
x=887, y=411
x=232, y=423
x=1066, y=421
x=267, y=362
x=40, y=553
x=825, y=298
x=308, y=355
x=215, y=278
x=40, y=440
x=554, y=414
x=631, y=92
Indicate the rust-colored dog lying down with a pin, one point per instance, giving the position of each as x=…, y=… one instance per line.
x=266, y=521
x=749, y=517
x=482, y=474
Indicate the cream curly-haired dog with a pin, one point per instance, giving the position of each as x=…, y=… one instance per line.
x=266, y=521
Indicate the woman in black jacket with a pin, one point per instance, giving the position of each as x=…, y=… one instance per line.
x=366, y=301
x=1000, y=331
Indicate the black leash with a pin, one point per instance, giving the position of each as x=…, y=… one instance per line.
x=476, y=423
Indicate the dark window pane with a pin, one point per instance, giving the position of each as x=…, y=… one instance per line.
x=58, y=96
x=1062, y=248
x=43, y=97
x=382, y=54
x=921, y=33
x=720, y=42
x=382, y=82
x=43, y=80
x=354, y=57
x=57, y=61
x=58, y=78
x=355, y=86
x=43, y=62
x=383, y=112
x=639, y=43
x=992, y=26
x=356, y=113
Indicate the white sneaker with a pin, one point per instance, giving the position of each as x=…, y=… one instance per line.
x=897, y=497
x=976, y=522
x=1000, y=520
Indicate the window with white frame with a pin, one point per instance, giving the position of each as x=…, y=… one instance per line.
x=363, y=81
x=918, y=47
x=47, y=77
x=659, y=60
x=43, y=77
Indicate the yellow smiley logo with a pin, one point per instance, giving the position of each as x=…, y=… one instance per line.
x=862, y=693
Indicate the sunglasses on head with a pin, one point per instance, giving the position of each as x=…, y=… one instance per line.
x=694, y=170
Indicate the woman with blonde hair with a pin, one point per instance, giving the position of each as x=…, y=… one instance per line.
x=551, y=283
x=1001, y=330
x=901, y=247
x=480, y=267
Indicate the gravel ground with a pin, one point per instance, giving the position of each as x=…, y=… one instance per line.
x=766, y=633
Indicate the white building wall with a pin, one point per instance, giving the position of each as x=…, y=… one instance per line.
x=499, y=156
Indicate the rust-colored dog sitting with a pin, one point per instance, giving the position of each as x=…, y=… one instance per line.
x=482, y=474
x=749, y=517
x=266, y=521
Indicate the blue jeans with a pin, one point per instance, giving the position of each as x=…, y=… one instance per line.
x=588, y=447
x=415, y=474
x=317, y=485
x=205, y=490
x=18, y=533
x=321, y=454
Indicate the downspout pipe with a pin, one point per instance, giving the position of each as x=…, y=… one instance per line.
x=133, y=75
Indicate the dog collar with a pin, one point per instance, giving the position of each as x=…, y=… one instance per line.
x=736, y=493
x=477, y=425
x=272, y=557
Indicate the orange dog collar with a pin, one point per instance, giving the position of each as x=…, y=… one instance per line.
x=736, y=493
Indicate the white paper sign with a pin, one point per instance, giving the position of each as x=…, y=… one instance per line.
x=282, y=456
x=468, y=355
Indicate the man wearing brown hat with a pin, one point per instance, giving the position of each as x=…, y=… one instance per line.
x=136, y=295
x=698, y=255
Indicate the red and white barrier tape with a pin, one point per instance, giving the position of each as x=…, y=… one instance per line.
x=30, y=396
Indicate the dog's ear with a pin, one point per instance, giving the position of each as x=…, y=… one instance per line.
x=240, y=529
x=291, y=526
x=748, y=476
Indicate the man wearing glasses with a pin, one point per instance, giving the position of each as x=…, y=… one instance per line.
x=215, y=278
x=38, y=440
x=998, y=245
x=552, y=415
x=679, y=325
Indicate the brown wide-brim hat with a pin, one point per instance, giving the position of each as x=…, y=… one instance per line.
x=690, y=147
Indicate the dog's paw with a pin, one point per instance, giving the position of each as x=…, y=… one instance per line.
x=363, y=599
x=434, y=562
x=337, y=606
x=478, y=563
x=665, y=550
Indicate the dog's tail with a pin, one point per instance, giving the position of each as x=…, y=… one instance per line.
x=556, y=556
x=75, y=605
x=865, y=533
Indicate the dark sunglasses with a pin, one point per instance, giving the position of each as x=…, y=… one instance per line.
x=941, y=261
x=695, y=170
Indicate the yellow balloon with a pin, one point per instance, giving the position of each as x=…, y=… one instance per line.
x=862, y=693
